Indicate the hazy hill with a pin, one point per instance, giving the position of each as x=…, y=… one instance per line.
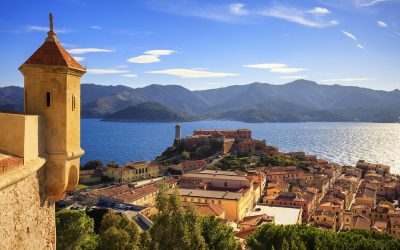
x=154, y=112
x=300, y=100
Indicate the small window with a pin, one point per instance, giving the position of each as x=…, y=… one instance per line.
x=73, y=103
x=48, y=99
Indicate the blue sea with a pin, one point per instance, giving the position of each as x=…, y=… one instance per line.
x=343, y=143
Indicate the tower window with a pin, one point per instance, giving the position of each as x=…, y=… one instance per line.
x=73, y=103
x=48, y=99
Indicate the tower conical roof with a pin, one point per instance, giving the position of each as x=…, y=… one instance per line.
x=52, y=53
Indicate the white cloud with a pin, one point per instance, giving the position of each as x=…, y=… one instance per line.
x=382, y=24
x=360, y=46
x=79, y=58
x=191, y=73
x=293, y=77
x=319, y=11
x=265, y=65
x=238, y=9
x=348, y=79
x=151, y=56
x=95, y=27
x=30, y=28
x=298, y=16
x=275, y=67
x=107, y=71
x=129, y=75
x=144, y=59
x=88, y=50
x=159, y=52
x=287, y=70
x=349, y=35
x=367, y=3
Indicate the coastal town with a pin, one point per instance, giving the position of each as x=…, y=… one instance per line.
x=246, y=183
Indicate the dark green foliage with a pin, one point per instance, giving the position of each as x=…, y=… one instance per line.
x=174, y=227
x=152, y=112
x=119, y=232
x=217, y=235
x=279, y=160
x=270, y=236
x=97, y=216
x=75, y=230
x=92, y=164
x=232, y=162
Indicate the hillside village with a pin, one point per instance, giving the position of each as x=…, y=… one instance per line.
x=246, y=183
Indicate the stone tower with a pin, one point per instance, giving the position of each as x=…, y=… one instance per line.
x=52, y=90
x=177, y=131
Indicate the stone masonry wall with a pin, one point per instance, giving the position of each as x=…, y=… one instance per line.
x=27, y=220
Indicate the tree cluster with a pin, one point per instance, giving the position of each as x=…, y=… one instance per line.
x=174, y=228
x=299, y=237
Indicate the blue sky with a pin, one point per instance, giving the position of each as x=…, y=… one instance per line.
x=203, y=44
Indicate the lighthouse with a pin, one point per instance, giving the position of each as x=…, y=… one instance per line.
x=177, y=132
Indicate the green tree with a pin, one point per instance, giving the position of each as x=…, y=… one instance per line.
x=126, y=230
x=75, y=230
x=175, y=228
x=217, y=235
x=285, y=245
x=185, y=155
x=115, y=239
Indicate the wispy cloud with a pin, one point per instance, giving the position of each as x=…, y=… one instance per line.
x=160, y=52
x=348, y=34
x=144, y=59
x=319, y=11
x=348, y=79
x=294, y=77
x=95, y=27
x=31, y=28
x=275, y=68
x=299, y=16
x=129, y=75
x=133, y=33
x=191, y=73
x=151, y=56
x=382, y=24
x=80, y=51
x=79, y=58
x=238, y=9
x=265, y=65
x=367, y=3
x=201, y=9
x=360, y=46
x=287, y=70
x=115, y=70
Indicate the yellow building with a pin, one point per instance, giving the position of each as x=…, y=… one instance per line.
x=325, y=219
x=237, y=194
x=133, y=171
x=46, y=140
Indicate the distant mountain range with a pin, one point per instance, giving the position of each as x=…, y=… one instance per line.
x=298, y=101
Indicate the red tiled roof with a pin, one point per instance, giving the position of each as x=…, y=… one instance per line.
x=9, y=162
x=52, y=53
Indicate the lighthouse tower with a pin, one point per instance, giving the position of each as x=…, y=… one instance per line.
x=177, y=132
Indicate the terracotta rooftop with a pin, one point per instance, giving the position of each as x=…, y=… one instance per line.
x=209, y=209
x=8, y=162
x=52, y=53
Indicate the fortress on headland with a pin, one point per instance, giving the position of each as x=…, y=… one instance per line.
x=40, y=149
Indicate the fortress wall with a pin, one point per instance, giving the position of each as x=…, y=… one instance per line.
x=27, y=220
